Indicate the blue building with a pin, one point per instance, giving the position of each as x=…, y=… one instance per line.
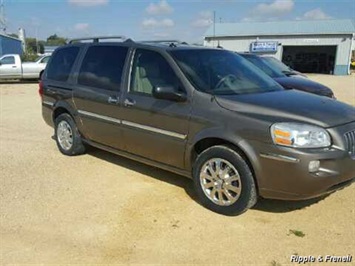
x=10, y=45
x=318, y=46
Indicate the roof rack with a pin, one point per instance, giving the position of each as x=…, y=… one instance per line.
x=96, y=39
x=172, y=43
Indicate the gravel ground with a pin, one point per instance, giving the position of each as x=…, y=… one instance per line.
x=100, y=208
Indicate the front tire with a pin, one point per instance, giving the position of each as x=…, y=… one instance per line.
x=67, y=136
x=223, y=181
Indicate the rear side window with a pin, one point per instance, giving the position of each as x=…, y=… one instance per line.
x=62, y=63
x=102, y=67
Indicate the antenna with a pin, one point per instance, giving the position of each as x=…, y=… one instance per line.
x=2, y=16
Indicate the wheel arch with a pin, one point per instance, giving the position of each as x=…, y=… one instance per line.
x=60, y=108
x=242, y=147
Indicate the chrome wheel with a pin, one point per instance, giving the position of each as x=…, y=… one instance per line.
x=65, y=135
x=220, y=182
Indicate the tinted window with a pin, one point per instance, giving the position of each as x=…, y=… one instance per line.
x=150, y=69
x=261, y=63
x=8, y=60
x=62, y=63
x=278, y=65
x=102, y=67
x=222, y=72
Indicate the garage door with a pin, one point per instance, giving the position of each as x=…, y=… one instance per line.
x=310, y=59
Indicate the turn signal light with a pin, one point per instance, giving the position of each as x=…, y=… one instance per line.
x=282, y=137
x=283, y=141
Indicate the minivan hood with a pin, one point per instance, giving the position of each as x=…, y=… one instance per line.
x=303, y=84
x=290, y=106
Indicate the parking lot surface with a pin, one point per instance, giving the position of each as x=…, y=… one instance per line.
x=100, y=208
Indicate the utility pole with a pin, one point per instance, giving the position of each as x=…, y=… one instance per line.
x=36, y=39
x=214, y=27
x=2, y=17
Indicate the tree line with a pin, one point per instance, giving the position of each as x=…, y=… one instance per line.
x=34, y=47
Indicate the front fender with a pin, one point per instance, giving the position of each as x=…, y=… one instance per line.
x=225, y=136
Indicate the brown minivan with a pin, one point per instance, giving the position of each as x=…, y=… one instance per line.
x=204, y=113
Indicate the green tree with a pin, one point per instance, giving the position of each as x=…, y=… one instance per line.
x=13, y=35
x=41, y=45
x=55, y=40
x=31, y=46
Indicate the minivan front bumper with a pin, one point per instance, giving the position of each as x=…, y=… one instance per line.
x=285, y=173
x=291, y=180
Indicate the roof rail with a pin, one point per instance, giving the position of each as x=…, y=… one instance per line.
x=161, y=41
x=96, y=39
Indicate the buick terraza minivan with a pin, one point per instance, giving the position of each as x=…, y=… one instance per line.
x=204, y=113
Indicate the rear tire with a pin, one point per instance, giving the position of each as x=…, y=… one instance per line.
x=223, y=181
x=67, y=136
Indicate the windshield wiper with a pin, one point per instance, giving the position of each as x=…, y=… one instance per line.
x=288, y=73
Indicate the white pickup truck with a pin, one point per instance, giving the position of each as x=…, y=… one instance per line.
x=11, y=67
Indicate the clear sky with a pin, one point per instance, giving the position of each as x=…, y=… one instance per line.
x=162, y=19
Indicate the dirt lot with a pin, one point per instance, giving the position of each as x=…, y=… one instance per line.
x=100, y=208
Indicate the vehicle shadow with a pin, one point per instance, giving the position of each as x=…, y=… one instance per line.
x=282, y=206
x=151, y=171
x=265, y=205
x=19, y=81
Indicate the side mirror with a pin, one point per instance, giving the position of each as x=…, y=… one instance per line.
x=168, y=93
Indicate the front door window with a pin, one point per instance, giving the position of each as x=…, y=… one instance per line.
x=150, y=69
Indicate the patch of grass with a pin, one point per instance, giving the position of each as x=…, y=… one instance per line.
x=297, y=233
x=175, y=224
x=275, y=263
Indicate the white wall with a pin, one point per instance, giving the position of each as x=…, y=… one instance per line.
x=242, y=44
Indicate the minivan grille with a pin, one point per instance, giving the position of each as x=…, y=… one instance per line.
x=350, y=142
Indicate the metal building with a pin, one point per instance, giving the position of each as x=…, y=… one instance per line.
x=48, y=49
x=322, y=46
x=10, y=45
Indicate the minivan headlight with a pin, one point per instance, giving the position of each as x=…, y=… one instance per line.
x=300, y=135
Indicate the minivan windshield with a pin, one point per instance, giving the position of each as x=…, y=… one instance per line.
x=276, y=64
x=263, y=64
x=222, y=72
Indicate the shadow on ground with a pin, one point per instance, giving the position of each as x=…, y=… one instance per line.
x=280, y=206
x=265, y=205
x=16, y=81
x=147, y=170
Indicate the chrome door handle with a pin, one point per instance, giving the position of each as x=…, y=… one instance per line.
x=113, y=100
x=129, y=102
